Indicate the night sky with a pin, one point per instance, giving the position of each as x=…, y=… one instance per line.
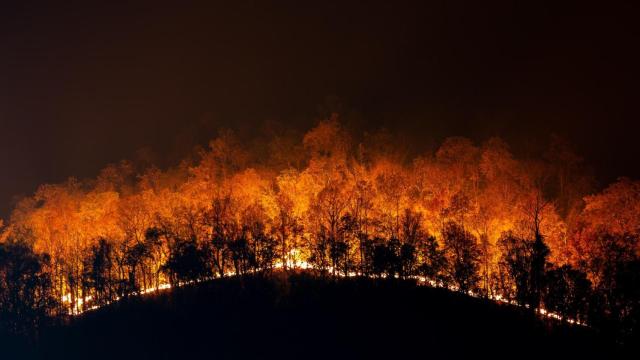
x=85, y=84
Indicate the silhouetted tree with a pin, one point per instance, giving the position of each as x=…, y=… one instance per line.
x=514, y=265
x=411, y=234
x=188, y=261
x=348, y=233
x=267, y=254
x=524, y=263
x=286, y=226
x=538, y=250
x=134, y=260
x=26, y=292
x=367, y=250
x=407, y=259
x=567, y=292
x=625, y=297
x=339, y=250
x=615, y=268
x=156, y=242
x=220, y=219
x=434, y=261
x=381, y=259
x=463, y=256
x=539, y=254
x=220, y=252
x=241, y=255
x=320, y=246
x=100, y=271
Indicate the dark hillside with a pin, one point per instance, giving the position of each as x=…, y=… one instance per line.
x=310, y=318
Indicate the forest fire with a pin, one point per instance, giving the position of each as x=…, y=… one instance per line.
x=328, y=180
x=474, y=219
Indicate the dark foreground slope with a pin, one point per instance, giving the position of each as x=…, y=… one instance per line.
x=308, y=318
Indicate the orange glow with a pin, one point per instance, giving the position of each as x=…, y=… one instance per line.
x=483, y=188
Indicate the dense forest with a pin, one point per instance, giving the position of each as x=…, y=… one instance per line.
x=533, y=231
